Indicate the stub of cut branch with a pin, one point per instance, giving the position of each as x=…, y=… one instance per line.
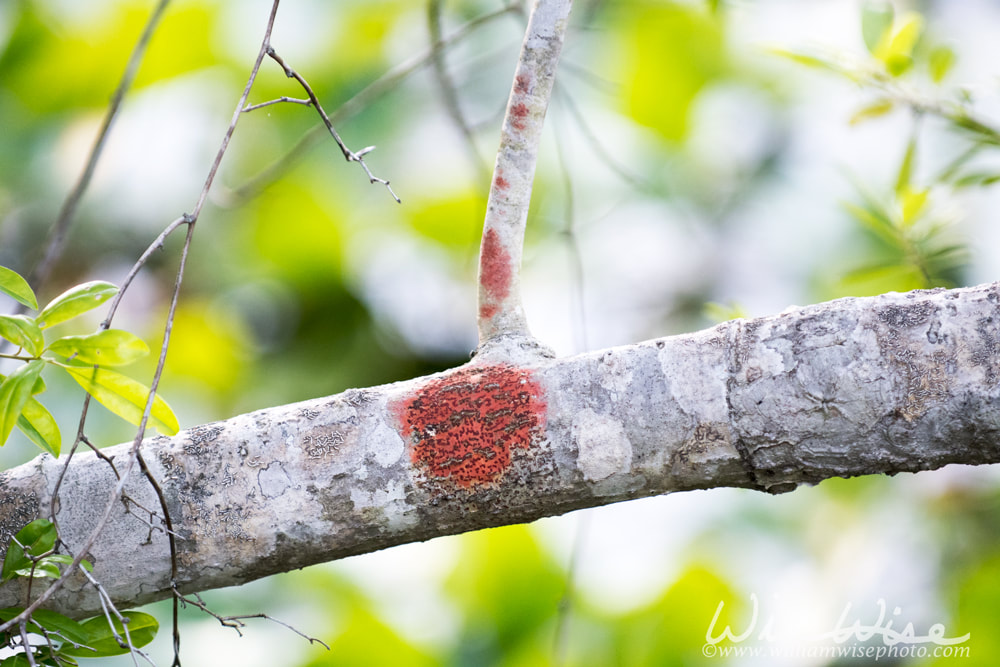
x=500, y=310
x=888, y=384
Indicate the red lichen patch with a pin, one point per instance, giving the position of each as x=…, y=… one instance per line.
x=499, y=182
x=488, y=310
x=522, y=84
x=494, y=267
x=518, y=113
x=462, y=428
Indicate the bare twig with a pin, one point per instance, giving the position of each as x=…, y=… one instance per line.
x=188, y=220
x=57, y=236
x=283, y=98
x=449, y=94
x=237, y=622
x=385, y=83
x=349, y=155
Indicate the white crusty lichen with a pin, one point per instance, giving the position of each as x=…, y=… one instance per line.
x=602, y=446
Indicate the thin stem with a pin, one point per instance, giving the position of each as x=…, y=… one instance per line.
x=500, y=310
x=190, y=221
x=377, y=88
x=449, y=93
x=349, y=155
x=57, y=237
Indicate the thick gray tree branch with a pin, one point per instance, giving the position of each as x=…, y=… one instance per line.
x=894, y=383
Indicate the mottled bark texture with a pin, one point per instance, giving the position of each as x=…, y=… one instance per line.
x=900, y=382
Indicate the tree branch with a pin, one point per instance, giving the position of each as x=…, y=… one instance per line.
x=888, y=384
x=500, y=310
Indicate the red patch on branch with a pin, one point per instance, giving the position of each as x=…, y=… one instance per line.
x=518, y=113
x=522, y=84
x=494, y=267
x=500, y=182
x=488, y=310
x=463, y=427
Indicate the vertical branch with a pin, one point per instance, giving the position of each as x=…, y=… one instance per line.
x=500, y=309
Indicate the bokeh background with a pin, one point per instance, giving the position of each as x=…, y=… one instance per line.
x=689, y=174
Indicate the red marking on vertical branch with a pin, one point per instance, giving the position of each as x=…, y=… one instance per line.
x=463, y=427
x=495, y=271
x=499, y=181
x=522, y=84
x=518, y=113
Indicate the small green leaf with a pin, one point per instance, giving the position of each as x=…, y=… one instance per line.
x=38, y=424
x=35, y=539
x=75, y=301
x=807, y=59
x=940, y=61
x=905, y=175
x=979, y=178
x=15, y=391
x=876, y=20
x=113, y=347
x=912, y=203
x=875, y=109
x=13, y=285
x=124, y=396
x=23, y=332
x=40, y=570
x=895, y=49
x=101, y=641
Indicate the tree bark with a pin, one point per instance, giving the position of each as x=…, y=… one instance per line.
x=888, y=384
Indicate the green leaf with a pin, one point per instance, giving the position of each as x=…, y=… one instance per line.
x=912, y=203
x=124, y=396
x=101, y=641
x=15, y=391
x=75, y=301
x=113, y=347
x=895, y=49
x=980, y=178
x=875, y=109
x=940, y=61
x=807, y=59
x=13, y=285
x=906, y=166
x=38, y=424
x=66, y=628
x=35, y=539
x=876, y=20
x=40, y=570
x=876, y=221
x=23, y=332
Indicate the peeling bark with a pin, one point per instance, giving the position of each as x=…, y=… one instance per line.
x=895, y=383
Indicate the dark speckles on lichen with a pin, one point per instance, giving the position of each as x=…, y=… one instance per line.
x=464, y=427
x=907, y=316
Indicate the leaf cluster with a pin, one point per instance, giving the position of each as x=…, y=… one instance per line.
x=31, y=555
x=908, y=234
x=85, y=358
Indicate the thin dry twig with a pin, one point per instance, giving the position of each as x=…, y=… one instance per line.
x=237, y=622
x=57, y=237
x=189, y=221
x=349, y=155
x=377, y=88
x=449, y=92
